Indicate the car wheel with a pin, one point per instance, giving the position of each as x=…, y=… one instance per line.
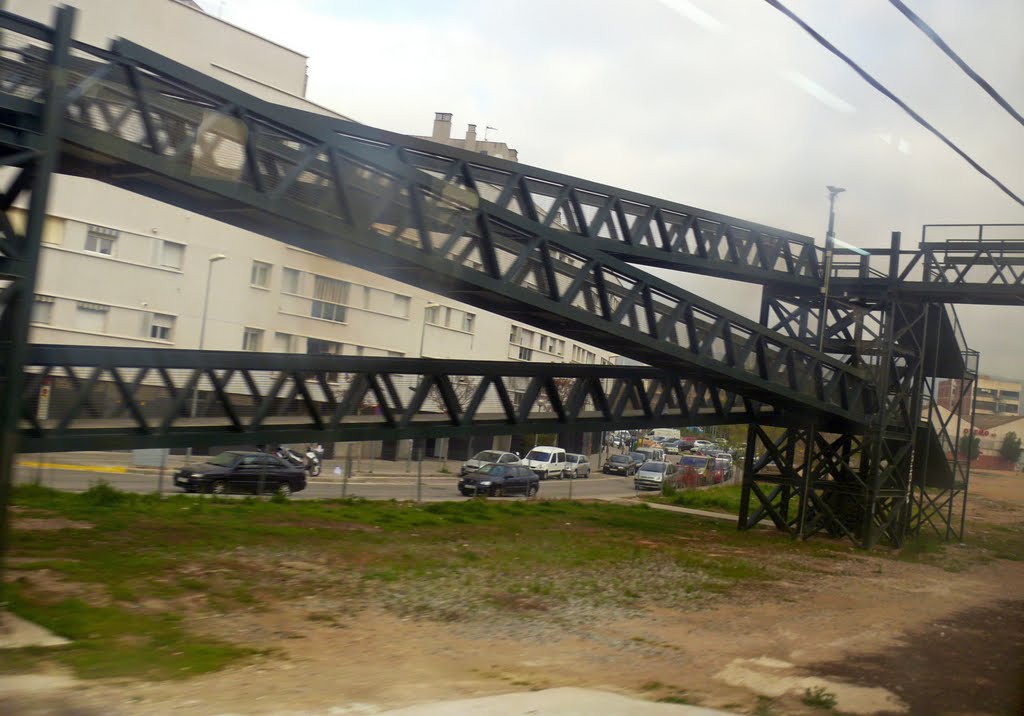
x=284, y=489
x=531, y=491
x=495, y=491
x=219, y=487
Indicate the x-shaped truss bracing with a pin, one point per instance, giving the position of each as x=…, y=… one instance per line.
x=110, y=398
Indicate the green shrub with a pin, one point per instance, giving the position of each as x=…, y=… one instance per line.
x=103, y=495
x=819, y=697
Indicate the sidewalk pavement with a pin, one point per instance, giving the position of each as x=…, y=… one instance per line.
x=122, y=462
x=564, y=701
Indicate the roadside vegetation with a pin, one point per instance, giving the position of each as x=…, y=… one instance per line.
x=724, y=498
x=148, y=586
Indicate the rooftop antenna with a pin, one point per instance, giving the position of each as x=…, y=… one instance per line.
x=488, y=129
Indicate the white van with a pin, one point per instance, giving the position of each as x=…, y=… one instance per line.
x=547, y=462
x=663, y=433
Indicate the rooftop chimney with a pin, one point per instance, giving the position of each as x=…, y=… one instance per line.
x=471, y=138
x=442, y=125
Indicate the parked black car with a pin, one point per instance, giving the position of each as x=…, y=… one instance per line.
x=620, y=465
x=499, y=480
x=235, y=471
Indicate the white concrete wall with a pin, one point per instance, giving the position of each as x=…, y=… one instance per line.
x=228, y=53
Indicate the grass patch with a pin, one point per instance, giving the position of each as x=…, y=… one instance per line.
x=819, y=697
x=147, y=560
x=725, y=498
x=110, y=641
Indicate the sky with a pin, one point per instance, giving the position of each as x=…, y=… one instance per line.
x=720, y=104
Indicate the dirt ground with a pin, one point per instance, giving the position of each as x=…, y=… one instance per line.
x=883, y=636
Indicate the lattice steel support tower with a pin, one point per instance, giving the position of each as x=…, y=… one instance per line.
x=856, y=484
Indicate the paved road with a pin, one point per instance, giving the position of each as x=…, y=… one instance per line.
x=390, y=487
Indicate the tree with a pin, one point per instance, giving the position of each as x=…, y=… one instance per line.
x=970, y=445
x=1011, y=449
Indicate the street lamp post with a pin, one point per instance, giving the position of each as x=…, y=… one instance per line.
x=830, y=241
x=214, y=258
x=423, y=336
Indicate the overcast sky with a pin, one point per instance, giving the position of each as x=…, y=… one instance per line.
x=721, y=104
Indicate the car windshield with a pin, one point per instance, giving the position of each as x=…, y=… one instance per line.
x=694, y=461
x=225, y=459
x=487, y=456
x=619, y=458
x=539, y=456
x=492, y=469
x=653, y=467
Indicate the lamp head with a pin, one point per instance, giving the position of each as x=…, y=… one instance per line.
x=833, y=190
x=217, y=257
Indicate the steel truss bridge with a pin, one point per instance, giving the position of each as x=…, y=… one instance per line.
x=845, y=440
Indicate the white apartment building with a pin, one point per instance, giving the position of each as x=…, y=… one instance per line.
x=120, y=269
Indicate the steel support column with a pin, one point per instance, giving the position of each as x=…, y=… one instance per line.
x=21, y=257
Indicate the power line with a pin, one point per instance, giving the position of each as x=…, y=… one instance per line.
x=900, y=103
x=934, y=36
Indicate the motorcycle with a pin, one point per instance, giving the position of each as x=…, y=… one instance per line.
x=311, y=461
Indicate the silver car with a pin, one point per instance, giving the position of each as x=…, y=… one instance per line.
x=578, y=465
x=487, y=457
x=653, y=474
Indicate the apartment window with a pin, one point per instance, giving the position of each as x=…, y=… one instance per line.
x=522, y=337
x=367, y=297
x=172, y=255
x=329, y=295
x=468, y=319
x=101, y=240
x=316, y=346
x=432, y=316
x=290, y=280
x=91, y=317
x=544, y=343
x=252, y=339
x=42, y=309
x=161, y=327
x=260, y=276
x=284, y=343
x=328, y=311
x=525, y=353
x=400, y=306
x=581, y=355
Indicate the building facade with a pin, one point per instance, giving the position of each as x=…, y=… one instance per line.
x=442, y=133
x=120, y=269
x=992, y=396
